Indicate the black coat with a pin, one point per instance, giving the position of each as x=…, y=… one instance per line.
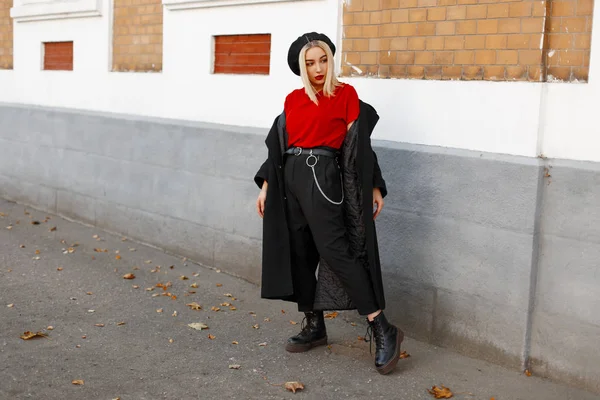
x=361, y=173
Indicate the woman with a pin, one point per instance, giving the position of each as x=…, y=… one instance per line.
x=319, y=186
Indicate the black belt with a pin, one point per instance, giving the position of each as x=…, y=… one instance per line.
x=317, y=152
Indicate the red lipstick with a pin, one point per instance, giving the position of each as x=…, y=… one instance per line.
x=319, y=77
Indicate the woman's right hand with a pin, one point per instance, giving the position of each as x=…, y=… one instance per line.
x=260, y=202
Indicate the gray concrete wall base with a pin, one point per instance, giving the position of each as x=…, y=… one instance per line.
x=494, y=256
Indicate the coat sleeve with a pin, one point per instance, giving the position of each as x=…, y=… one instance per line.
x=378, y=181
x=262, y=174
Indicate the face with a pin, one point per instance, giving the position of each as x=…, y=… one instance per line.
x=316, y=66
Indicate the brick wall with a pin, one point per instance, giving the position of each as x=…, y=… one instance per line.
x=242, y=54
x=568, y=39
x=6, y=35
x=467, y=39
x=137, y=35
x=58, y=56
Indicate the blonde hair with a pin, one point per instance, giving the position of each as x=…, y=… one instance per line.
x=331, y=81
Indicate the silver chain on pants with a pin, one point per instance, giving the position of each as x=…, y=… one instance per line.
x=312, y=166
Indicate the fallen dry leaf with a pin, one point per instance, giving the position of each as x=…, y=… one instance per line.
x=183, y=278
x=267, y=319
x=194, y=285
x=234, y=342
x=89, y=293
x=235, y=366
x=211, y=337
x=35, y=222
x=164, y=286
x=225, y=304
x=293, y=386
x=36, y=258
x=215, y=309
x=135, y=287
x=71, y=250
x=11, y=305
x=293, y=323
x=198, y=326
x=78, y=346
x=97, y=250
x=50, y=328
x=255, y=326
x=37, y=252
x=440, y=392
x=129, y=276
x=263, y=344
x=30, y=335
x=77, y=382
x=120, y=323
x=22, y=246
x=194, y=306
x=84, y=337
x=91, y=311
x=159, y=310
x=99, y=325
x=195, y=274
x=228, y=295
x=171, y=340
x=59, y=269
x=331, y=315
x=95, y=236
x=232, y=308
x=9, y=227
x=52, y=229
x=404, y=354
x=283, y=311
x=527, y=372
x=219, y=284
x=148, y=261
x=174, y=314
x=149, y=289
x=118, y=257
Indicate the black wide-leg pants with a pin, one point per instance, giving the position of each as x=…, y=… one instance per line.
x=317, y=227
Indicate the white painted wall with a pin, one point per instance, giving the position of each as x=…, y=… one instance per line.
x=485, y=116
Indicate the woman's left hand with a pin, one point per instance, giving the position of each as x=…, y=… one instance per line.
x=377, y=200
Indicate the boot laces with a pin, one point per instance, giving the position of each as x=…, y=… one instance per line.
x=378, y=336
x=304, y=326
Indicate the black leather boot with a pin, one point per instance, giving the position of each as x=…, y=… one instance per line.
x=387, y=343
x=313, y=333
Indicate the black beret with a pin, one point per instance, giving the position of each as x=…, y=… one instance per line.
x=298, y=44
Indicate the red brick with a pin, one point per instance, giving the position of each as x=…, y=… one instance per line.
x=494, y=73
x=415, y=72
x=424, y=57
x=562, y=8
x=473, y=73
x=433, y=72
